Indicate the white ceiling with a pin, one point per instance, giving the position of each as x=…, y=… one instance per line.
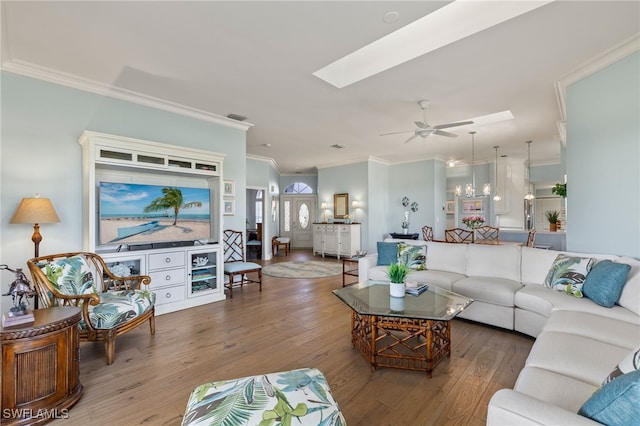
x=257, y=58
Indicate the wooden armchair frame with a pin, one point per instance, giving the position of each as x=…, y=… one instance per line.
x=104, y=280
x=458, y=235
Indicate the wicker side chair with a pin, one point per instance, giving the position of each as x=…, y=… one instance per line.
x=236, y=267
x=111, y=305
x=427, y=233
x=489, y=233
x=458, y=235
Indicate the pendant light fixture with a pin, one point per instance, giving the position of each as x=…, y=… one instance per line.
x=497, y=196
x=529, y=195
x=470, y=188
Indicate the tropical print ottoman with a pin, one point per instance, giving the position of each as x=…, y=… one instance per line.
x=297, y=397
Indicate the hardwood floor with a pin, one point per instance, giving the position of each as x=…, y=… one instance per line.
x=292, y=324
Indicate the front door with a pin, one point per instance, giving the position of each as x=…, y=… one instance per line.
x=298, y=214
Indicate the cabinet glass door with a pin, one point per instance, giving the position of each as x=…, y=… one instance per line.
x=203, y=274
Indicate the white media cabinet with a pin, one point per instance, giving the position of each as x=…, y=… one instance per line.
x=182, y=276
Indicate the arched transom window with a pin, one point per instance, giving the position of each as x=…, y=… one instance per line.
x=298, y=188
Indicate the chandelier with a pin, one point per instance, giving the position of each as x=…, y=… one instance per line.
x=470, y=188
x=497, y=196
x=529, y=196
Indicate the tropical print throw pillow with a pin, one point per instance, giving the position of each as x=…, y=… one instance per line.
x=567, y=274
x=414, y=256
x=70, y=276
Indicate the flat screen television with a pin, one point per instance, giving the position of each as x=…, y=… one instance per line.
x=132, y=213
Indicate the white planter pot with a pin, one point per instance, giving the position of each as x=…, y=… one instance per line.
x=396, y=289
x=396, y=304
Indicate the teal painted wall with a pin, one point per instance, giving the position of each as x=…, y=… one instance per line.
x=377, y=205
x=41, y=124
x=350, y=179
x=603, y=157
x=439, y=199
x=419, y=181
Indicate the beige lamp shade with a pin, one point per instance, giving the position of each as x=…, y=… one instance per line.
x=35, y=210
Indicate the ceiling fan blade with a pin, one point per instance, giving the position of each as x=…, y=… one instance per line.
x=443, y=133
x=446, y=126
x=412, y=138
x=422, y=125
x=395, y=133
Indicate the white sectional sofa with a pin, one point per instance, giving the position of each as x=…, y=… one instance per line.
x=578, y=342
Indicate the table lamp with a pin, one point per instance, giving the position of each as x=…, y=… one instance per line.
x=35, y=210
x=324, y=207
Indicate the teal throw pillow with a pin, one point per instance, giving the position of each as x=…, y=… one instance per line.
x=387, y=253
x=604, y=283
x=616, y=403
x=567, y=274
x=413, y=255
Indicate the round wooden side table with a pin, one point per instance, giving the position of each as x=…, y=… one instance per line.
x=40, y=367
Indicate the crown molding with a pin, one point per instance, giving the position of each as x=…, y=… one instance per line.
x=341, y=163
x=64, y=79
x=589, y=67
x=272, y=162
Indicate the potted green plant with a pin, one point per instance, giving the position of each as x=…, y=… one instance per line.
x=552, y=217
x=560, y=189
x=397, y=273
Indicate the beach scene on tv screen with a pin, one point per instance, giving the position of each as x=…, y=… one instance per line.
x=138, y=213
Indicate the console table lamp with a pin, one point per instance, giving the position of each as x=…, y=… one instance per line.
x=324, y=208
x=35, y=210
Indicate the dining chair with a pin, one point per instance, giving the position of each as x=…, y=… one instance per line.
x=427, y=233
x=486, y=232
x=236, y=267
x=458, y=235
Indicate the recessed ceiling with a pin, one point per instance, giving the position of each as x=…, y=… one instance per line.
x=257, y=58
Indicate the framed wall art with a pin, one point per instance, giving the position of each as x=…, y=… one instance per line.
x=229, y=188
x=229, y=207
x=450, y=207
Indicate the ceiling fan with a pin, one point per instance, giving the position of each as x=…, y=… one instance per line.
x=425, y=130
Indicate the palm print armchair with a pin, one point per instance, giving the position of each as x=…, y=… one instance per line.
x=111, y=305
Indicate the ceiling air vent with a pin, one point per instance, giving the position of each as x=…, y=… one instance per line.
x=236, y=117
x=336, y=146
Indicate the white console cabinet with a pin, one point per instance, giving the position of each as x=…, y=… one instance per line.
x=336, y=239
x=180, y=277
x=183, y=275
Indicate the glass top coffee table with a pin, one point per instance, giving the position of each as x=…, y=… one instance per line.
x=411, y=332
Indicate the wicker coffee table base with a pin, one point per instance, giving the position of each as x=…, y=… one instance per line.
x=409, y=344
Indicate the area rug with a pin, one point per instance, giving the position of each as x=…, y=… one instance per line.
x=303, y=269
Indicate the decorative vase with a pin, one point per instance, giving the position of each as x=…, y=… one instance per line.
x=552, y=227
x=473, y=235
x=396, y=289
x=405, y=231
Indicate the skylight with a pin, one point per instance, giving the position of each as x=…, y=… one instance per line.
x=453, y=22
